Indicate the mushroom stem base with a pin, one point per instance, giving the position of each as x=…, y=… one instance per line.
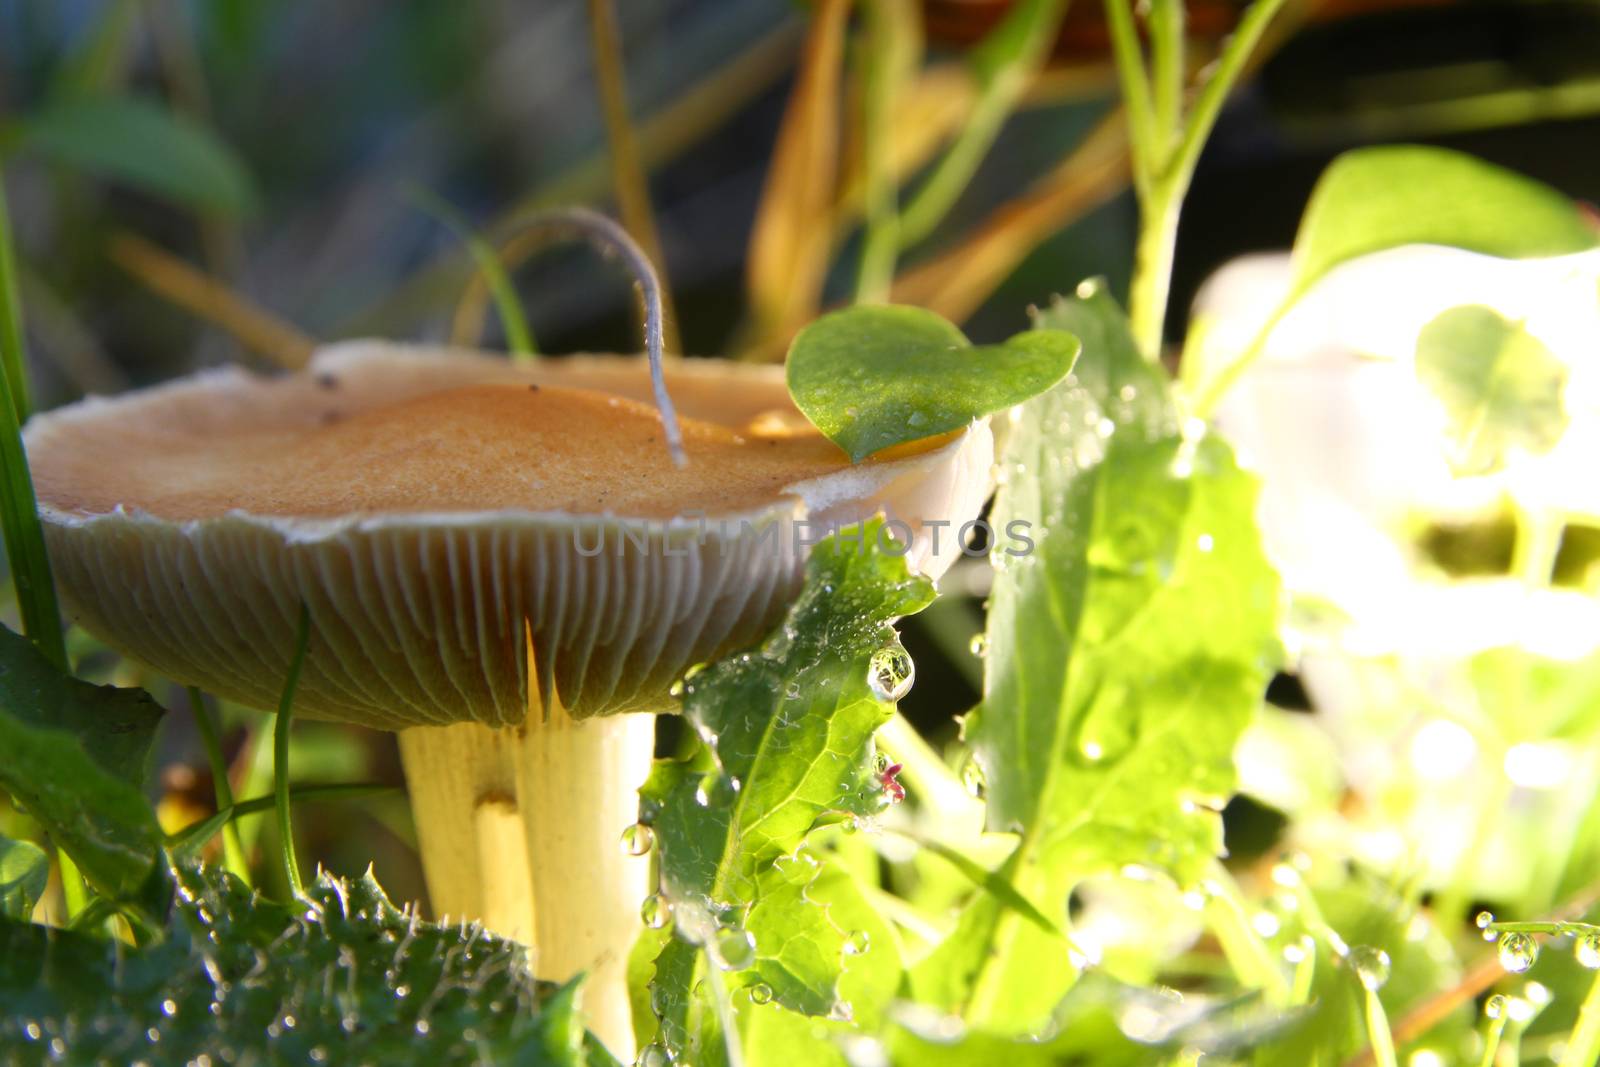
x=521, y=828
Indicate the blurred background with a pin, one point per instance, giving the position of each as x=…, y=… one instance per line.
x=194, y=183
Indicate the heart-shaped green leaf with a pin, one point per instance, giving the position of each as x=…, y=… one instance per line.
x=874, y=377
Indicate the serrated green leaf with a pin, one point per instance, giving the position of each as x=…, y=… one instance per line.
x=1126, y=654
x=24, y=873
x=871, y=377
x=145, y=145
x=1371, y=199
x=788, y=732
x=340, y=976
x=1500, y=386
x=73, y=755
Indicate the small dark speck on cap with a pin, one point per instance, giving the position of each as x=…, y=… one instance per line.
x=328, y=381
x=533, y=388
x=330, y=417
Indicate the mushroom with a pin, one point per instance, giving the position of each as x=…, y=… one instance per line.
x=500, y=562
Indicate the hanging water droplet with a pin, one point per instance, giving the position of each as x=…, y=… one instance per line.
x=1517, y=952
x=676, y=689
x=1587, y=950
x=655, y=912
x=890, y=672
x=1495, y=1006
x=1371, y=966
x=735, y=949
x=761, y=993
x=654, y=1056
x=638, y=839
x=1484, y=919
x=979, y=645
x=857, y=943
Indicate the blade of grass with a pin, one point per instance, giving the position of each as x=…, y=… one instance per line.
x=889, y=56
x=1583, y=1047
x=232, y=845
x=1007, y=60
x=627, y=170
x=197, y=834
x=789, y=245
x=19, y=508
x=171, y=278
x=518, y=336
x=280, y=753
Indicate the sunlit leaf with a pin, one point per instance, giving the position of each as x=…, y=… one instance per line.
x=340, y=976
x=1126, y=654
x=141, y=143
x=1500, y=386
x=788, y=744
x=73, y=755
x=873, y=377
x=24, y=873
x=1384, y=197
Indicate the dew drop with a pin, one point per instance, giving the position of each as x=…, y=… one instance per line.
x=1517, y=952
x=1587, y=950
x=979, y=645
x=638, y=839
x=654, y=1056
x=1495, y=1006
x=1371, y=966
x=655, y=912
x=857, y=943
x=1484, y=919
x=735, y=949
x=890, y=672
x=761, y=993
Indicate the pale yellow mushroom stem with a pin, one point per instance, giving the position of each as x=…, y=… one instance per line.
x=521, y=828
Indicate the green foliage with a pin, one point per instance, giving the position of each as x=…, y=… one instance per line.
x=75, y=759
x=140, y=143
x=787, y=730
x=873, y=377
x=1377, y=198
x=1500, y=387
x=339, y=976
x=512, y=319
x=24, y=873
x=1118, y=679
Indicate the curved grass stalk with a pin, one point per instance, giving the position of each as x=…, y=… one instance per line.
x=233, y=853
x=280, y=753
x=518, y=336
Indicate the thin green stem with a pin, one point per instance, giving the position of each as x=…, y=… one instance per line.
x=19, y=508
x=506, y=304
x=1135, y=93
x=1166, y=22
x=888, y=51
x=1255, y=965
x=1378, y=1029
x=1209, y=393
x=1208, y=105
x=280, y=753
x=936, y=787
x=1008, y=59
x=197, y=834
x=1554, y=928
x=1491, y=1040
x=1152, y=269
x=232, y=845
x=729, y=1023
x=1538, y=541
x=1583, y=1047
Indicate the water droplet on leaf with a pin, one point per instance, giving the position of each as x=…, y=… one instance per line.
x=654, y=1056
x=972, y=777
x=1484, y=919
x=655, y=912
x=1587, y=950
x=979, y=645
x=1495, y=1006
x=735, y=949
x=761, y=993
x=890, y=672
x=638, y=839
x=857, y=943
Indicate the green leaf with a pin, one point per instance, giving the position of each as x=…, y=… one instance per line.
x=873, y=377
x=143, y=144
x=1377, y=198
x=1501, y=388
x=788, y=732
x=73, y=755
x=1127, y=653
x=340, y=976
x=24, y=873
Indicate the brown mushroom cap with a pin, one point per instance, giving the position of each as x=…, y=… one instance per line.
x=436, y=510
